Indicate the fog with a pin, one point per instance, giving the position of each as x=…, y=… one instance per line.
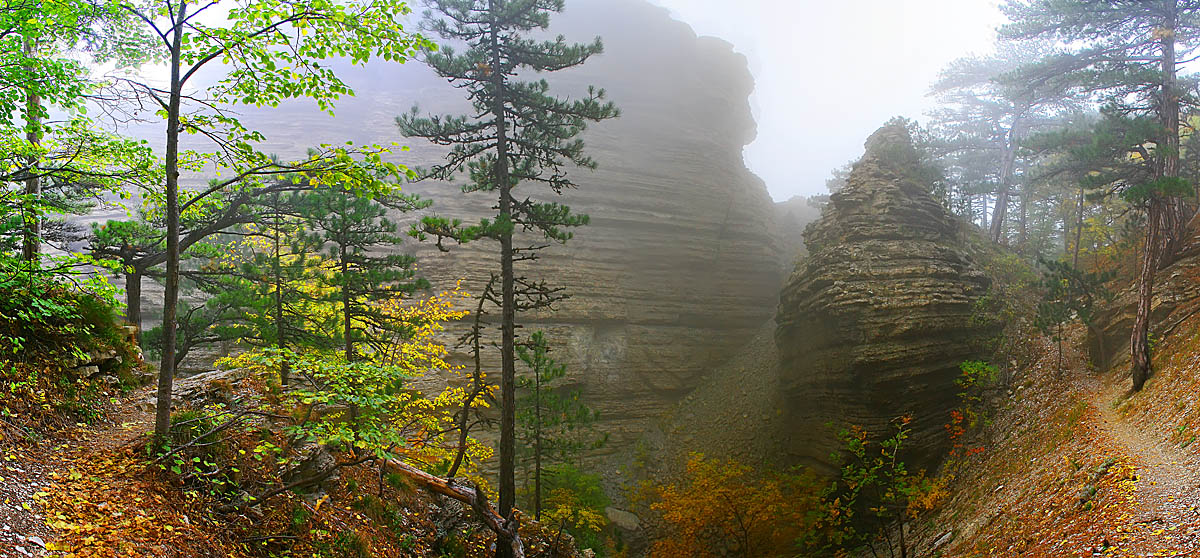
x=827, y=73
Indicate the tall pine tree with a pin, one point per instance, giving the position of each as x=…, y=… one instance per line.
x=519, y=135
x=1126, y=54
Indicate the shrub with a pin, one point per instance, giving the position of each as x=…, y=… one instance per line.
x=574, y=501
x=724, y=508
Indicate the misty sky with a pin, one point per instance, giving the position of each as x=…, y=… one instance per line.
x=828, y=74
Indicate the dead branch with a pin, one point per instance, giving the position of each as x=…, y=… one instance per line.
x=505, y=529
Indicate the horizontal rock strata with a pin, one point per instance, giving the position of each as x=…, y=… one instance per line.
x=875, y=321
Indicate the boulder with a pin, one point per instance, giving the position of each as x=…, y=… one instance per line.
x=874, y=322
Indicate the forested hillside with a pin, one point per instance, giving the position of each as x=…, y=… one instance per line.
x=475, y=278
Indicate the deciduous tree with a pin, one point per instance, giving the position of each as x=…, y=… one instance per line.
x=267, y=51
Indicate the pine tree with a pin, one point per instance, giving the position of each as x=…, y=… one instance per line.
x=356, y=234
x=520, y=135
x=984, y=118
x=268, y=288
x=553, y=422
x=1127, y=54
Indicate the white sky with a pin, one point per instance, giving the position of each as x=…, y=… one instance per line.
x=829, y=72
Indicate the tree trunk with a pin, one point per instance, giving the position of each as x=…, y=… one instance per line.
x=1177, y=208
x=166, y=374
x=347, y=331
x=537, y=445
x=1164, y=217
x=343, y=237
x=505, y=529
x=477, y=385
x=31, y=244
x=1078, y=231
x=1000, y=213
x=280, y=341
x=1066, y=226
x=1139, y=343
x=133, y=299
x=508, y=411
x=1023, y=222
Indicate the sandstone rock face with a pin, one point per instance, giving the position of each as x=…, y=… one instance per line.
x=874, y=322
x=680, y=264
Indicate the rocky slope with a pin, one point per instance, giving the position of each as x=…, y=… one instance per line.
x=874, y=322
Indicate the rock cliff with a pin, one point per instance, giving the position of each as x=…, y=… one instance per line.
x=679, y=265
x=874, y=322
x=681, y=262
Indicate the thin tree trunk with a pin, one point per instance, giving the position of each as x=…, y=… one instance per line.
x=280, y=340
x=1000, y=213
x=1078, y=231
x=1023, y=222
x=537, y=444
x=477, y=387
x=343, y=238
x=166, y=374
x=508, y=485
x=31, y=244
x=133, y=299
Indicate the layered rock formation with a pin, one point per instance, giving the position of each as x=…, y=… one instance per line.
x=874, y=322
x=679, y=265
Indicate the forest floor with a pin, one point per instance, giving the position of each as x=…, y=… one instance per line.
x=85, y=490
x=1076, y=465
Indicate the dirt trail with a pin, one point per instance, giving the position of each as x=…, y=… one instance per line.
x=31, y=470
x=1167, y=497
x=1168, y=476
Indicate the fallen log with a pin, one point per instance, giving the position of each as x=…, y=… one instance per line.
x=506, y=530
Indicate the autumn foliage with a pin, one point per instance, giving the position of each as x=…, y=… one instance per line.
x=723, y=508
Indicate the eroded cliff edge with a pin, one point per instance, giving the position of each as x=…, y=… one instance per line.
x=875, y=321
